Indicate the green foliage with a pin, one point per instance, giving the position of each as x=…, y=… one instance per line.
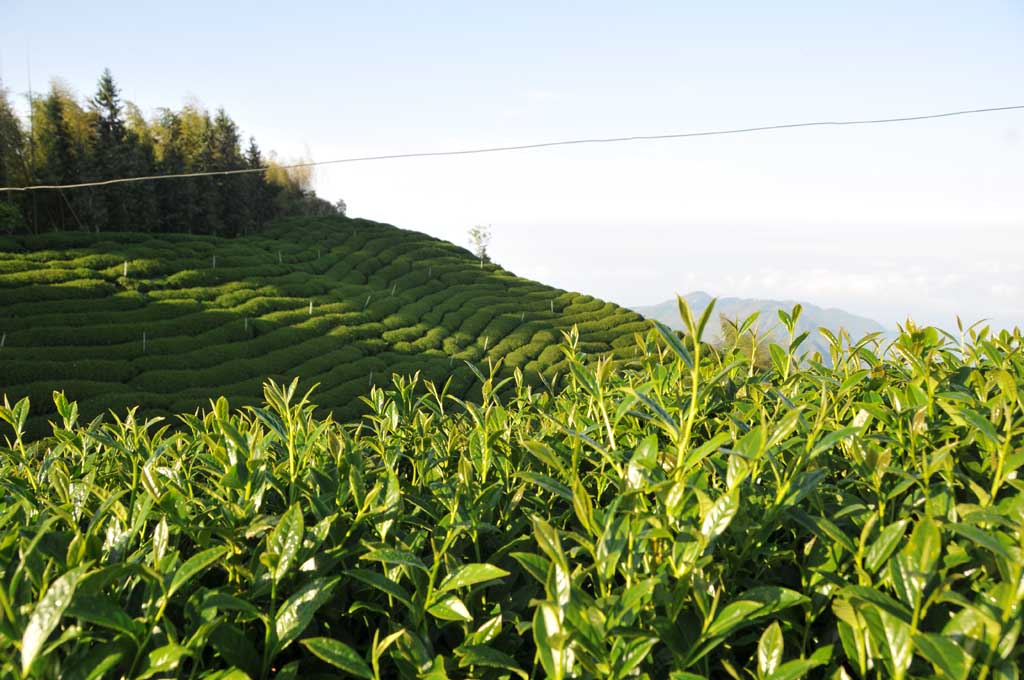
x=71, y=142
x=11, y=221
x=742, y=335
x=151, y=319
x=680, y=514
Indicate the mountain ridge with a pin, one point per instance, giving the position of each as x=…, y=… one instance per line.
x=811, y=319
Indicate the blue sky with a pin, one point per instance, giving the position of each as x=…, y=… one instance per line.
x=923, y=219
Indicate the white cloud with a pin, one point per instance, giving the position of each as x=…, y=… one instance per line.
x=1005, y=290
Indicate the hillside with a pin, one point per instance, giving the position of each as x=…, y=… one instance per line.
x=343, y=302
x=812, y=318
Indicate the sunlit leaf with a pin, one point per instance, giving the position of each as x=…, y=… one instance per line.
x=46, y=615
x=339, y=655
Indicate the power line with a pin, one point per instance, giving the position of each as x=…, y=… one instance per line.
x=522, y=147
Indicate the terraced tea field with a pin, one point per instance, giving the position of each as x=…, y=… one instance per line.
x=166, y=321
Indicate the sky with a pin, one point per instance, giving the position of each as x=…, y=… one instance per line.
x=921, y=220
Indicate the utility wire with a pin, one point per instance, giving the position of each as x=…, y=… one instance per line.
x=521, y=147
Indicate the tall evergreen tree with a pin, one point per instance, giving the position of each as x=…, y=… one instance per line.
x=111, y=138
x=259, y=192
x=139, y=160
x=234, y=210
x=177, y=197
x=208, y=191
x=108, y=160
x=140, y=198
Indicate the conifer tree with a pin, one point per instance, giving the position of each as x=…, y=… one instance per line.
x=108, y=154
x=58, y=161
x=234, y=209
x=140, y=199
x=208, y=191
x=176, y=197
x=260, y=193
x=109, y=138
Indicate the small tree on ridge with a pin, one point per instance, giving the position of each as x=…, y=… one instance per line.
x=480, y=238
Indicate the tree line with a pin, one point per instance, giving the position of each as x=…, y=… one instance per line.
x=66, y=141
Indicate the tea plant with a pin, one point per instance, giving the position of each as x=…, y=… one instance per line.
x=681, y=514
x=163, y=321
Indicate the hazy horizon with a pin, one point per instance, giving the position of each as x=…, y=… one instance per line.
x=919, y=219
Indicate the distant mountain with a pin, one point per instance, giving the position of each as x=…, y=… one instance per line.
x=811, y=319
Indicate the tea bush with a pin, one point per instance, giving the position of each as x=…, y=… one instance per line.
x=678, y=515
x=65, y=299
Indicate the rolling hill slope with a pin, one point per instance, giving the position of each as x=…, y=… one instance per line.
x=167, y=320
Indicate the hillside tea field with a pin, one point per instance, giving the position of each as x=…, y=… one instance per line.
x=168, y=320
x=680, y=515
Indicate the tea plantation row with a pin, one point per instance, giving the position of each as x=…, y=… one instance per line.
x=680, y=515
x=164, y=321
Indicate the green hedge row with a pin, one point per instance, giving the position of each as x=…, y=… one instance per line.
x=77, y=290
x=224, y=329
x=47, y=276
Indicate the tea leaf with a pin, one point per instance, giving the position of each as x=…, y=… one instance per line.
x=944, y=654
x=339, y=655
x=797, y=668
x=925, y=546
x=392, y=556
x=299, y=609
x=284, y=542
x=981, y=539
x=893, y=636
x=720, y=515
x=194, y=566
x=383, y=584
x=450, y=608
x=481, y=655
x=674, y=343
x=231, y=643
x=547, y=483
x=885, y=545
x=46, y=615
x=104, y=612
x=754, y=603
x=470, y=574
x=164, y=659
x=549, y=638
x=769, y=650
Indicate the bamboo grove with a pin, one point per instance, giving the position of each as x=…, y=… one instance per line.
x=65, y=141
